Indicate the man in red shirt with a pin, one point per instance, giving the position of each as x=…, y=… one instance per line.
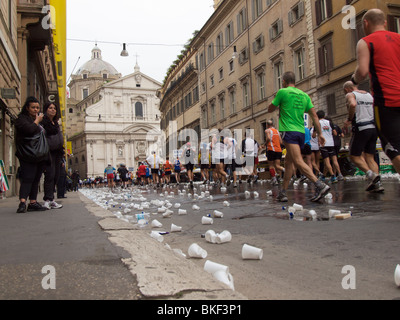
x=378, y=55
x=142, y=173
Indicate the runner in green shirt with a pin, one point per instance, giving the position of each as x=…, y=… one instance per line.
x=292, y=104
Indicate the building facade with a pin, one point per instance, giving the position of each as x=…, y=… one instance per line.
x=27, y=68
x=241, y=53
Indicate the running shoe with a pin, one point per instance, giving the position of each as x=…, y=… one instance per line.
x=36, y=207
x=282, y=197
x=334, y=179
x=255, y=178
x=320, y=192
x=21, y=207
x=373, y=182
x=378, y=188
x=47, y=205
x=55, y=205
x=340, y=177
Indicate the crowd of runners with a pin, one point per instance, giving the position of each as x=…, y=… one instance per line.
x=294, y=151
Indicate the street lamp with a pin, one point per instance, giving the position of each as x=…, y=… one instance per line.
x=235, y=55
x=124, y=52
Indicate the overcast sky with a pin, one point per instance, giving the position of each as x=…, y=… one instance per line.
x=149, y=22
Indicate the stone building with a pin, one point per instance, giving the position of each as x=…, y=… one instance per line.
x=27, y=68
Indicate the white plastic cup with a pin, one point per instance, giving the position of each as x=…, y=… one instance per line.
x=157, y=236
x=161, y=210
x=195, y=251
x=226, y=204
x=313, y=214
x=333, y=213
x=397, y=275
x=195, y=207
x=175, y=228
x=207, y=220
x=225, y=278
x=182, y=211
x=298, y=207
x=210, y=236
x=212, y=267
x=177, y=205
x=218, y=214
x=156, y=224
x=251, y=253
x=167, y=214
x=224, y=236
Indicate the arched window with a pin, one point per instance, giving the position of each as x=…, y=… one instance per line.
x=139, y=110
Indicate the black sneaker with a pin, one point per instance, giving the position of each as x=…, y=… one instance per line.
x=36, y=207
x=282, y=197
x=21, y=207
x=374, y=182
x=320, y=192
x=378, y=188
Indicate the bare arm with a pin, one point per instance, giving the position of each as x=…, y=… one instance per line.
x=363, y=59
x=272, y=108
x=317, y=126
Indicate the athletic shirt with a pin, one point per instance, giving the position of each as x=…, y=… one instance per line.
x=314, y=141
x=177, y=166
x=232, y=149
x=364, y=116
x=109, y=170
x=307, y=136
x=167, y=166
x=327, y=132
x=250, y=147
x=275, y=143
x=384, y=48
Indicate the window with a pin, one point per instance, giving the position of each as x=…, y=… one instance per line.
x=278, y=73
x=276, y=30
x=299, y=64
x=244, y=56
x=210, y=52
x=323, y=10
x=204, y=117
x=232, y=100
x=231, y=66
x=257, y=8
x=261, y=84
x=246, y=100
x=213, y=116
x=258, y=45
x=219, y=43
x=221, y=74
x=202, y=62
x=71, y=110
x=85, y=76
x=139, y=110
x=325, y=56
x=270, y=3
x=105, y=76
x=263, y=135
x=196, y=96
x=393, y=23
x=222, y=106
x=296, y=13
x=241, y=21
x=229, y=34
x=85, y=93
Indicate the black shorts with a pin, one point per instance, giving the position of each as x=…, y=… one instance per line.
x=327, y=152
x=363, y=141
x=154, y=171
x=167, y=173
x=306, y=151
x=189, y=166
x=204, y=166
x=232, y=165
x=272, y=155
x=387, y=121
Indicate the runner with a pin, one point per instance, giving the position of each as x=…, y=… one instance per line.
x=274, y=152
x=167, y=171
x=360, y=105
x=220, y=158
x=250, y=152
x=293, y=103
x=177, y=170
x=109, y=172
x=231, y=144
x=142, y=173
x=328, y=152
x=189, y=153
x=378, y=56
x=315, y=155
x=204, y=156
x=124, y=175
x=154, y=161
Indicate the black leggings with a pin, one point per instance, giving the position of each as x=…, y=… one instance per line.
x=30, y=177
x=51, y=175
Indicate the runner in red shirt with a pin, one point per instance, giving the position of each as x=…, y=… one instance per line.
x=142, y=172
x=379, y=56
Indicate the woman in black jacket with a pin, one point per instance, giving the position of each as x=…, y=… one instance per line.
x=55, y=140
x=28, y=125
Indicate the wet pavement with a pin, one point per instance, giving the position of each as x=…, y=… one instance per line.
x=302, y=259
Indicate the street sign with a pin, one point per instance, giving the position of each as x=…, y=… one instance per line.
x=8, y=93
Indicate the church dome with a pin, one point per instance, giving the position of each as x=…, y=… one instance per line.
x=97, y=65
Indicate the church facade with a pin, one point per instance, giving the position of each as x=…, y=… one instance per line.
x=120, y=124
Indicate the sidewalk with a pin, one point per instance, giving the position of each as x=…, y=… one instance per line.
x=95, y=257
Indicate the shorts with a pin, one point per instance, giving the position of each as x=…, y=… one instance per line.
x=387, y=121
x=233, y=165
x=110, y=176
x=272, y=155
x=204, y=166
x=363, y=141
x=154, y=171
x=189, y=166
x=168, y=173
x=327, y=152
x=306, y=151
x=294, y=137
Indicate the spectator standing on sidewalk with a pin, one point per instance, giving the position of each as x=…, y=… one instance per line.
x=62, y=181
x=28, y=125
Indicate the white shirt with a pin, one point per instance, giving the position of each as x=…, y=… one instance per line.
x=327, y=132
x=154, y=161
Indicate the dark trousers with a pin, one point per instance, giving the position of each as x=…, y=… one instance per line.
x=51, y=174
x=30, y=175
x=61, y=183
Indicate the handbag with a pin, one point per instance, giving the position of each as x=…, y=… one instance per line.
x=33, y=149
x=55, y=141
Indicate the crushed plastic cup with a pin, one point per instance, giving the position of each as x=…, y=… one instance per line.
x=226, y=204
x=223, y=237
x=333, y=213
x=195, y=207
x=156, y=235
x=313, y=214
x=251, y=253
x=167, y=214
x=195, y=251
x=218, y=214
x=210, y=236
x=219, y=272
x=256, y=194
x=212, y=267
x=298, y=207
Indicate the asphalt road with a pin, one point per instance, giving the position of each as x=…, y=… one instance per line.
x=322, y=259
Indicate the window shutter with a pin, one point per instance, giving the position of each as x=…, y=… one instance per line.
x=329, y=48
x=391, y=23
x=301, y=9
x=271, y=34
x=321, y=60
x=329, y=8
x=290, y=17
x=280, y=26
x=318, y=13
x=239, y=27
